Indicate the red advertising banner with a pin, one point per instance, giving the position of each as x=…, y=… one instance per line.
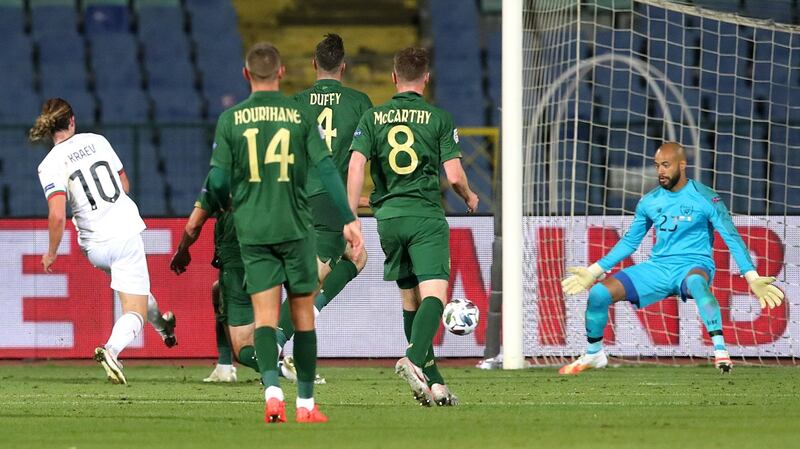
x=67, y=313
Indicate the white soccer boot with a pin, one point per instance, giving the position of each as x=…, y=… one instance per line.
x=442, y=395
x=222, y=373
x=289, y=371
x=110, y=363
x=584, y=362
x=722, y=361
x=416, y=380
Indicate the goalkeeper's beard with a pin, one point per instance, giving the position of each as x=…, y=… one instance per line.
x=668, y=182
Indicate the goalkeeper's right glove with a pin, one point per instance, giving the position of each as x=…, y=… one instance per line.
x=582, y=278
x=767, y=294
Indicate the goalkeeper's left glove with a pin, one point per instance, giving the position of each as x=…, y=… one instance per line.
x=767, y=294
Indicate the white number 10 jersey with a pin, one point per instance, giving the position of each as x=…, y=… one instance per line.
x=86, y=169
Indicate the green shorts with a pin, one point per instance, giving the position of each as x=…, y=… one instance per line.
x=235, y=303
x=328, y=227
x=293, y=264
x=417, y=249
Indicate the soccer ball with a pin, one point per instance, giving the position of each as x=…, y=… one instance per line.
x=460, y=316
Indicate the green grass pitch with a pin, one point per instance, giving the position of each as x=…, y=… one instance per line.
x=67, y=406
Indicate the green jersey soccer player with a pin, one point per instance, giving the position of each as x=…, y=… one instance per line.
x=407, y=141
x=337, y=109
x=263, y=148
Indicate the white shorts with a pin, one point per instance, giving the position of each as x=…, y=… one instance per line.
x=124, y=258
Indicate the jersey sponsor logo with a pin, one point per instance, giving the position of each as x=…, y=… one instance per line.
x=455, y=135
x=686, y=209
x=357, y=133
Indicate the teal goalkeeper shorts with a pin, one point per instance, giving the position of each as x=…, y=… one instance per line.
x=649, y=282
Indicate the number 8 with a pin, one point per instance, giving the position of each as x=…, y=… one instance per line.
x=404, y=147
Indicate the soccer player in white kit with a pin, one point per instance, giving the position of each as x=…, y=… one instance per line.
x=84, y=170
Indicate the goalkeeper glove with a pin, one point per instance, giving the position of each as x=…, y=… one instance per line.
x=767, y=294
x=582, y=278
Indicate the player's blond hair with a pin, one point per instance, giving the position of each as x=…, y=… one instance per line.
x=411, y=64
x=55, y=116
x=263, y=61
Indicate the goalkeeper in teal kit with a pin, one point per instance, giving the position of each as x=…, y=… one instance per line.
x=684, y=214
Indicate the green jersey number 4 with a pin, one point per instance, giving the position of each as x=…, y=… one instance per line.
x=281, y=138
x=325, y=120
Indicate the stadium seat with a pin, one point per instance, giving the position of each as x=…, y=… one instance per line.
x=186, y=153
x=211, y=17
x=19, y=105
x=123, y=105
x=105, y=18
x=49, y=18
x=12, y=19
x=176, y=104
x=63, y=76
x=157, y=23
x=178, y=73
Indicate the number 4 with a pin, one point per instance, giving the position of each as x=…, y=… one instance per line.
x=325, y=120
x=282, y=138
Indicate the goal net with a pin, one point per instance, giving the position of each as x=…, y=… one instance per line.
x=604, y=86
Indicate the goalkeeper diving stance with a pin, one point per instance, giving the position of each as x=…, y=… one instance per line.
x=684, y=214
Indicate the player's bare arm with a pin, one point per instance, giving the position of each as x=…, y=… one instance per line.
x=126, y=184
x=458, y=179
x=56, y=218
x=191, y=232
x=355, y=180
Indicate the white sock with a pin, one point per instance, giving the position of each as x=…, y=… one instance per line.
x=154, y=315
x=273, y=392
x=224, y=367
x=307, y=403
x=127, y=327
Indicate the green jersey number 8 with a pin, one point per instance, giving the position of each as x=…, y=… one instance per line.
x=404, y=147
x=272, y=157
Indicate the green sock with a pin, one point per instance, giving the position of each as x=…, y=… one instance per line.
x=426, y=323
x=247, y=357
x=225, y=356
x=305, y=360
x=267, y=350
x=430, y=369
x=344, y=272
x=285, y=325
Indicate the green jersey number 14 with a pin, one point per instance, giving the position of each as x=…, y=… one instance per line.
x=283, y=158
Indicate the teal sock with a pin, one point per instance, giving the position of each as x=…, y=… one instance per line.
x=426, y=323
x=247, y=357
x=305, y=360
x=597, y=313
x=225, y=355
x=267, y=350
x=707, y=305
x=285, y=325
x=595, y=347
x=719, y=342
x=344, y=272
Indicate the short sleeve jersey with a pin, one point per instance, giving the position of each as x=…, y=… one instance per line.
x=226, y=244
x=684, y=223
x=86, y=169
x=337, y=109
x=268, y=142
x=407, y=140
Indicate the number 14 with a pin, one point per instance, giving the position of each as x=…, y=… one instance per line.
x=282, y=138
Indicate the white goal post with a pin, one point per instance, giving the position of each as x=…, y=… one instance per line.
x=590, y=90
